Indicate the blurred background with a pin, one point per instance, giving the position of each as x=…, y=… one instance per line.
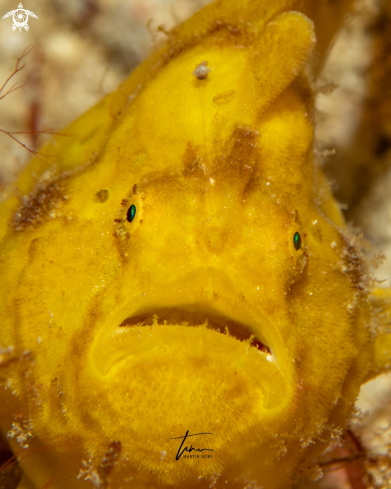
x=82, y=49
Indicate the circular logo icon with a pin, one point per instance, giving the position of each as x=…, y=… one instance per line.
x=20, y=19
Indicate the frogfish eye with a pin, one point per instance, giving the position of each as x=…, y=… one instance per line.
x=297, y=241
x=131, y=213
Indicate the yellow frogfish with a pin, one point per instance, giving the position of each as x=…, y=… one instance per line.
x=182, y=304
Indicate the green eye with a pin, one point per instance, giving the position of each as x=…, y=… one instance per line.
x=131, y=213
x=297, y=241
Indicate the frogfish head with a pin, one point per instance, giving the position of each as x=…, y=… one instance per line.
x=192, y=274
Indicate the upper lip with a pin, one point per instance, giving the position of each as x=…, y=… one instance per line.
x=195, y=315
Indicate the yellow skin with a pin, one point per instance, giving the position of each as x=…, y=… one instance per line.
x=221, y=170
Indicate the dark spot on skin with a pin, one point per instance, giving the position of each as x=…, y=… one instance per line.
x=102, y=195
x=135, y=189
x=39, y=206
x=123, y=202
x=202, y=71
x=118, y=220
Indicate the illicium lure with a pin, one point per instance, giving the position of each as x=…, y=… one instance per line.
x=182, y=283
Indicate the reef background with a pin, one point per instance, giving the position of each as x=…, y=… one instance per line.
x=84, y=48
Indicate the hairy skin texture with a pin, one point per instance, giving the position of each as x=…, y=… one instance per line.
x=220, y=167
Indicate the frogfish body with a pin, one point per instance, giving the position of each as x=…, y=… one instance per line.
x=180, y=267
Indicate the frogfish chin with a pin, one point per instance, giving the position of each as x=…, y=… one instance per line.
x=182, y=303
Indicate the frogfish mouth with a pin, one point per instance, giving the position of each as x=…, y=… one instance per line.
x=198, y=332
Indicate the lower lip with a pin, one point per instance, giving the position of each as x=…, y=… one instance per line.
x=202, y=347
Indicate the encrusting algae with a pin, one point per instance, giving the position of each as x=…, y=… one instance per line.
x=183, y=268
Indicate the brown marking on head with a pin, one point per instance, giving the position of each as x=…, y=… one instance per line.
x=240, y=163
x=39, y=206
x=191, y=163
x=102, y=195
